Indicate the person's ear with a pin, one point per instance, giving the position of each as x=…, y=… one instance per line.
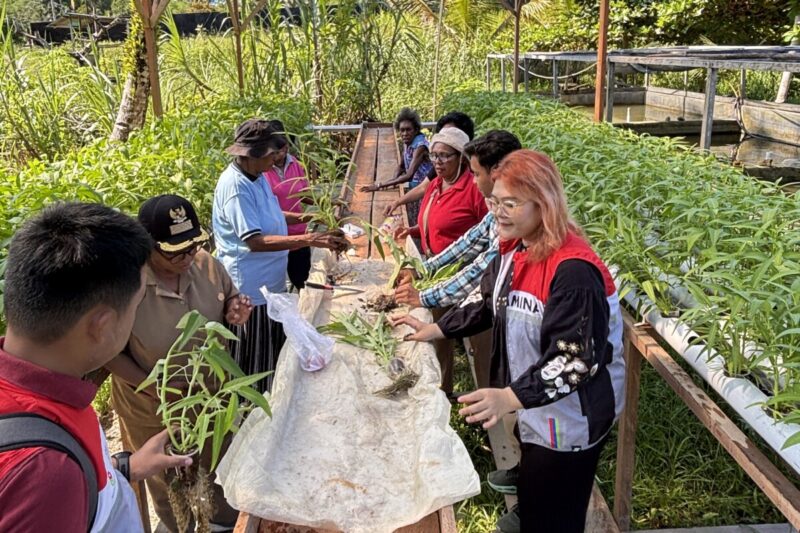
x=100, y=324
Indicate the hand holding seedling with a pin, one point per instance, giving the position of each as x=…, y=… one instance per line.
x=332, y=240
x=423, y=332
x=151, y=459
x=391, y=208
x=488, y=405
x=401, y=233
x=406, y=275
x=237, y=310
x=405, y=293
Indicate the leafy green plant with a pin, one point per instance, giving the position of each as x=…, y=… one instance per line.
x=426, y=278
x=203, y=395
x=211, y=406
x=357, y=331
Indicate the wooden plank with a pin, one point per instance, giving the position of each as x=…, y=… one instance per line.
x=610, y=86
x=626, y=438
x=781, y=492
x=360, y=204
x=447, y=520
x=678, y=128
x=443, y=521
x=598, y=516
x=385, y=166
x=602, y=61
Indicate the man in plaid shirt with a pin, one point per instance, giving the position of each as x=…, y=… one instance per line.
x=475, y=249
x=478, y=246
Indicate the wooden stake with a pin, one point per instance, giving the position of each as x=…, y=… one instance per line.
x=602, y=55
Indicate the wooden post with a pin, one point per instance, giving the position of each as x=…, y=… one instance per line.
x=555, y=79
x=610, y=92
x=626, y=436
x=602, y=53
x=436, y=58
x=150, y=13
x=526, y=64
x=503, y=72
x=488, y=74
x=743, y=84
x=708, y=109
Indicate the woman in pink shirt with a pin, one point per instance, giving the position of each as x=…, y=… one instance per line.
x=287, y=179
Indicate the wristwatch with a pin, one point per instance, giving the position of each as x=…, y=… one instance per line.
x=124, y=464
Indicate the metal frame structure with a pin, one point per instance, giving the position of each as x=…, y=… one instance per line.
x=711, y=58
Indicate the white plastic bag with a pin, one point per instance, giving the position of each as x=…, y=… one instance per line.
x=312, y=347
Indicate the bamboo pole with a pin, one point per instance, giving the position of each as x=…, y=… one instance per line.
x=602, y=55
x=517, y=16
x=233, y=8
x=436, y=59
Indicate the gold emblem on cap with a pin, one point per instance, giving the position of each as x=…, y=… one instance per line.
x=178, y=214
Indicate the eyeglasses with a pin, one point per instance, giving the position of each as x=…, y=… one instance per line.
x=506, y=205
x=442, y=157
x=177, y=257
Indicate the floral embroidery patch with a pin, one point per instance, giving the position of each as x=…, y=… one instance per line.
x=565, y=371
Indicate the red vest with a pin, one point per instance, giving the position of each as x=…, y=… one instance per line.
x=81, y=423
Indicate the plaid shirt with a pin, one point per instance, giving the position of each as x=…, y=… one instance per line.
x=476, y=248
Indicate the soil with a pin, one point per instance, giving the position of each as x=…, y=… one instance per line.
x=381, y=303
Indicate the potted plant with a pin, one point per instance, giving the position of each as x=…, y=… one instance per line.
x=203, y=396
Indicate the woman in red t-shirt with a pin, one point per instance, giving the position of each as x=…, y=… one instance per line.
x=452, y=205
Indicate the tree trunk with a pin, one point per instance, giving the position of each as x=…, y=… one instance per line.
x=786, y=79
x=133, y=107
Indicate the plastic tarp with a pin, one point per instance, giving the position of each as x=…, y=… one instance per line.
x=336, y=456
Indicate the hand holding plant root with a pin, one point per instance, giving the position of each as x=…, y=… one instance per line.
x=406, y=294
x=211, y=407
x=332, y=240
x=488, y=405
x=423, y=332
x=150, y=459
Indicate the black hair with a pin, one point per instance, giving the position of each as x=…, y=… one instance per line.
x=68, y=259
x=408, y=114
x=459, y=120
x=491, y=147
x=281, y=136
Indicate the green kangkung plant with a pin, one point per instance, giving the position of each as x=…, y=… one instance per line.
x=211, y=405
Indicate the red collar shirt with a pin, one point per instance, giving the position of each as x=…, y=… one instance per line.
x=451, y=212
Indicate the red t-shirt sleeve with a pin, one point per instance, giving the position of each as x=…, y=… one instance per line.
x=46, y=491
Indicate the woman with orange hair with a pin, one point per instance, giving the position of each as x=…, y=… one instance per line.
x=557, y=345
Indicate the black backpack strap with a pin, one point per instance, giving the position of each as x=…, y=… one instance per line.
x=27, y=430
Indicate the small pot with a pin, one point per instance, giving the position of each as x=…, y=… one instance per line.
x=185, y=473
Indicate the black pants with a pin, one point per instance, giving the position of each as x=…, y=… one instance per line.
x=554, y=488
x=299, y=266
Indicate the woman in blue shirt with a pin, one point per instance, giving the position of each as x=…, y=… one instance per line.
x=252, y=240
x=416, y=163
